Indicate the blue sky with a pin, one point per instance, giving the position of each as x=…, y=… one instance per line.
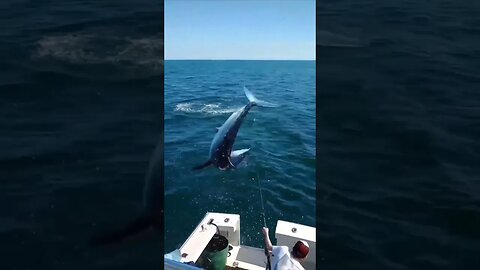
x=240, y=29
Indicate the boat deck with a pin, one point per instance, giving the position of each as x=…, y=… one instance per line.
x=233, y=268
x=245, y=257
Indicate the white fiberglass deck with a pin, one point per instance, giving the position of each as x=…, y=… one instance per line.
x=244, y=257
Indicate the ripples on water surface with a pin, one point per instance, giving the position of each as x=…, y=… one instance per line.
x=80, y=95
x=200, y=96
x=399, y=122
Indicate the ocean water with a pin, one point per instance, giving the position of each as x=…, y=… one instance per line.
x=200, y=96
x=398, y=107
x=398, y=114
x=81, y=112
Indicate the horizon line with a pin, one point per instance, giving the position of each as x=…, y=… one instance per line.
x=182, y=59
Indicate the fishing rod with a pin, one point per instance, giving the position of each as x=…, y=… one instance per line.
x=267, y=253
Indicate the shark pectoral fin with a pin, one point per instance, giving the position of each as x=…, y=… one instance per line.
x=217, y=128
x=237, y=156
x=199, y=167
x=240, y=152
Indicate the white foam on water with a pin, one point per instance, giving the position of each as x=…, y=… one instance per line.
x=184, y=107
x=213, y=108
x=84, y=48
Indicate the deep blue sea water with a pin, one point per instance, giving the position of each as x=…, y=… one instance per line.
x=200, y=96
x=398, y=106
x=80, y=114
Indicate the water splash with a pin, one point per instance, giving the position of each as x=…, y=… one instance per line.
x=209, y=108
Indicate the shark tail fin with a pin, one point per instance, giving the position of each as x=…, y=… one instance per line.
x=204, y=165
x=256, y=101
x=138, y=225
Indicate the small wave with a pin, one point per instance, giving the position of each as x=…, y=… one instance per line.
x=214, y=108
x=330, y=39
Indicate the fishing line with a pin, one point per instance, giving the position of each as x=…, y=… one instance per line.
x=261, y=200
x=267, y=253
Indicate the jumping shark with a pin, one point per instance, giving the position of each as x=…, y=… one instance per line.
x=221, y=154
